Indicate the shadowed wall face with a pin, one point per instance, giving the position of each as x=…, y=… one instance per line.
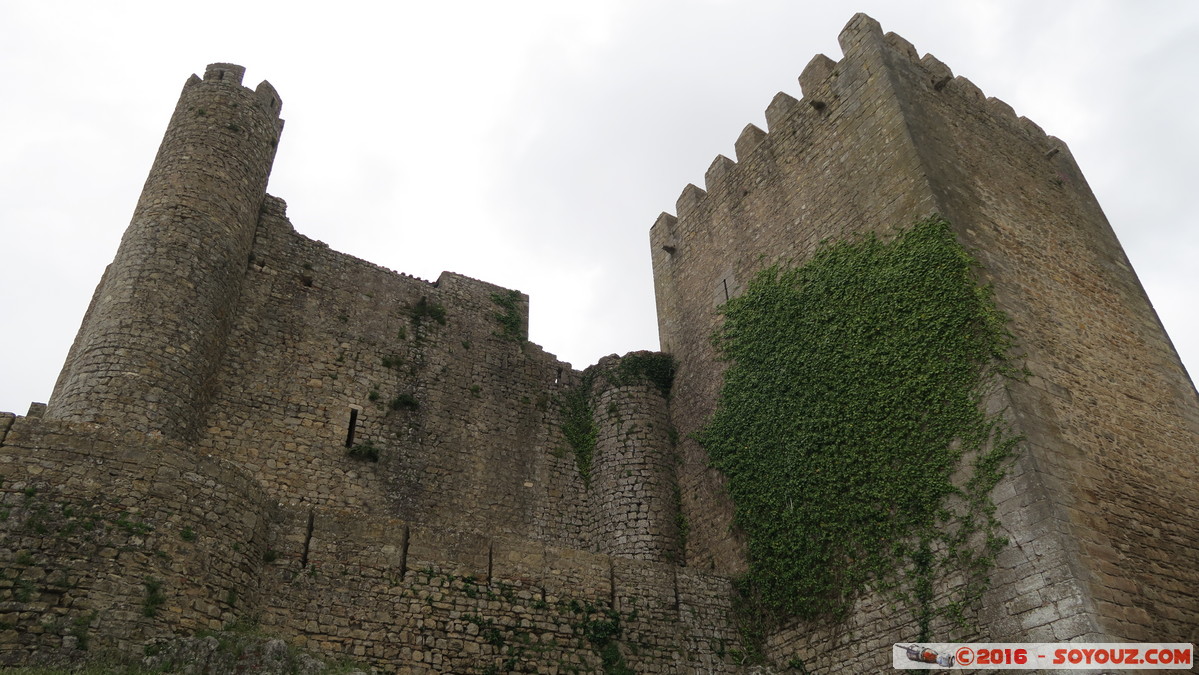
x=1110, y=417
x=881, y=139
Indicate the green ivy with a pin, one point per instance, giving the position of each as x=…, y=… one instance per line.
x=578, y=424
x=853, y=393
x=364, y=451
x=638, y=367
x=509, y=318
x=578, y=417
x=423, y=309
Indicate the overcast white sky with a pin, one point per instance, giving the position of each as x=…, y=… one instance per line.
x=532, y=144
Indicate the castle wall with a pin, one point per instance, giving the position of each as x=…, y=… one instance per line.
x=108, y=542
x=633, y=485
x=837, y=163
x=461, y=413
x=156, y=327
x=880, y=140
x=1110, y=416
x=412, y=599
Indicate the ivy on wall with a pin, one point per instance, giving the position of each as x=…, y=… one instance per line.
x=508, y=317
x=578, y=417
x=853, y=394
x=578, y=424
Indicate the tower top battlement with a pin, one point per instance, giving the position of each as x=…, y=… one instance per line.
x=232, y=74
x=881, y=139
x=224, y=72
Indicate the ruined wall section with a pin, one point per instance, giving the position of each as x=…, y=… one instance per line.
x=436, y=381
x=837, y=163
x=634, y=491
x=1109, y=412
x=155, y=330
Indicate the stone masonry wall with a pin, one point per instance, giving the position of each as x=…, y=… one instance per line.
x=115, y=542
x=1110, y=416
x=387, y=594
x=462, y=415
x=881, y=139
x=635, y=512
x=144, y=357
x=107, y=540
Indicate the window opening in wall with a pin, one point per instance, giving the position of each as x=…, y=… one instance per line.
x=490, y=553
x=353, y=426
x=308, y=538
x=404, y=553
x=558, y=377
x=675, y=583
x=612, y=585
x=726, y=289
x=220, y=75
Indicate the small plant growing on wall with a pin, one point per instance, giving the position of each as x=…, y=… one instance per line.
x=404, y=402
x=23, y=590
x=366, y=452
x=154, y=597
x=423, y=309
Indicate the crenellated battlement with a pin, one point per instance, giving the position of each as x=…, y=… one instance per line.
x=224, y=72
x=781, y=107
x=861, y=38
x=253, y=426
x=231, y=75
x=268, y=98
x=879, y=140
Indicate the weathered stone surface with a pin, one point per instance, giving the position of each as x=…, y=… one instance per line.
x=254, y=429
x=1099, y=509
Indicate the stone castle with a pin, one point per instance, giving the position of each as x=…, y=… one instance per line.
x=252, y=428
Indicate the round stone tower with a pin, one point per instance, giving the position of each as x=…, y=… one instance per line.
x=156, y=327
x=636, y=512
